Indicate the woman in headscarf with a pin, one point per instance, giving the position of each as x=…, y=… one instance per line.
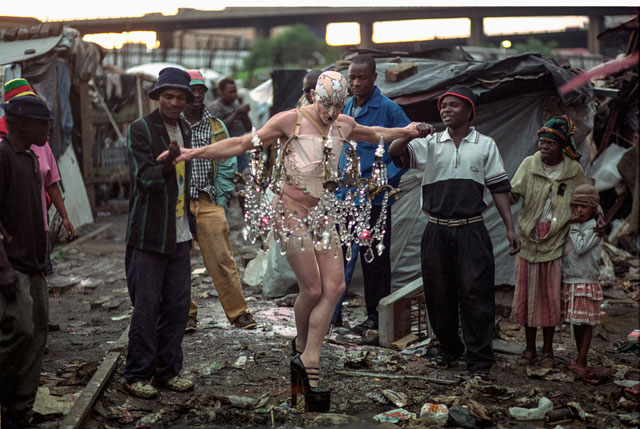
x=545, y=182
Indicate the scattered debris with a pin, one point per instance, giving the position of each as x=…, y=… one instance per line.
x=398, y=399
x=403, y=342
x=47, y=404
x=329, y=420
x=394, y=416
x=434, y=414
x=538, y=413
x=461, y=417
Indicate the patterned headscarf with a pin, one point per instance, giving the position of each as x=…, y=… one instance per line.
x=331, y=88
x=560, y=129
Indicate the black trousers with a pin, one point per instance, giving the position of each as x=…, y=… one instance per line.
x=160, y=290
x=458, y=270
x=376, y=275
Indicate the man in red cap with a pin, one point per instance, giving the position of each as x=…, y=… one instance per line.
x=210, y=192
x=456, y=251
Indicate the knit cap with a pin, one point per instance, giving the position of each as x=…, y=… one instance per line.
x=16, y=88
x=586, y=195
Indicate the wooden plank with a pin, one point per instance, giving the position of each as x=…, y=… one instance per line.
x=83, y=406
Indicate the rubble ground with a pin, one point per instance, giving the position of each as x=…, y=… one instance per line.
x=242, y=377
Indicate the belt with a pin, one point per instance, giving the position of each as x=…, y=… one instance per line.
x=452, y=223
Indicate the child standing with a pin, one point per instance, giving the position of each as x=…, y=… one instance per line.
x=581, y=291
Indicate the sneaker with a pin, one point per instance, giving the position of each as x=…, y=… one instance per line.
x=245, y=321
x=141, y=389
x=481, y=375
x=176, y=383
x=364, y=326
x=192, y=326
x=443, y=360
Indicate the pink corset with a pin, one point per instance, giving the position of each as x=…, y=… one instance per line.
x=303, y=162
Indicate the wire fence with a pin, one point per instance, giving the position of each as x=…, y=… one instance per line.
x=221, y=52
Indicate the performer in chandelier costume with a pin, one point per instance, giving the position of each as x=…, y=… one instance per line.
x=318, y=267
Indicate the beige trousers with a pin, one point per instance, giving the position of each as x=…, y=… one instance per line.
x=213, y=239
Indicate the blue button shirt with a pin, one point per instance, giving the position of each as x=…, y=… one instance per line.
x=379, y=111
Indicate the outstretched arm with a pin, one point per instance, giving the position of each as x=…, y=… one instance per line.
x=372, y=134
x=501, y=199
x=273, y=129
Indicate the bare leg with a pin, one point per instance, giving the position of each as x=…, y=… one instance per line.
x=530, y=336
x=584, y=333
x=547, y=338
x=321, y=279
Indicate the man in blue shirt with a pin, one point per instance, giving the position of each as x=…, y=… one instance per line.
x=369, y=107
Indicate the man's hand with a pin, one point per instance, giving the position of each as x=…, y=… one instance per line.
x=168, y=157
x=425, y=129
x=68, y=226
x=514, y=242
x=243, y=110
x=600, y=227
x=420, y=129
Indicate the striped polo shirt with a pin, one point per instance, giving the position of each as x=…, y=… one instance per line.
x=454, y=179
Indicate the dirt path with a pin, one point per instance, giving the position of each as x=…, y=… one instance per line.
x=242, y=376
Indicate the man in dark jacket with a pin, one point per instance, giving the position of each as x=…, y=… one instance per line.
x=159, y=234
x=23, y=290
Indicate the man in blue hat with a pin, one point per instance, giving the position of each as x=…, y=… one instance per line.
x=23, y=290
x=159, y=234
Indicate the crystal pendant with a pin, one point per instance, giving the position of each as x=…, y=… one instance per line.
x=349, y=252
x=368, y=256
x=380, y=248
x=326, y=240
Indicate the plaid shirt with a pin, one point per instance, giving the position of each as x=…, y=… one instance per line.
x=201, y=168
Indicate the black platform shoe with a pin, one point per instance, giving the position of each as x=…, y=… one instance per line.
x=294, y=349
x=316, y=399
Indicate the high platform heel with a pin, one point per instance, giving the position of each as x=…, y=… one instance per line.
x=316, y=399
x=294, y=349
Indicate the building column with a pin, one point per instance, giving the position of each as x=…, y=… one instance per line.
x=263, y=32
x=476, y=37
x=166, y=42
x=596, y=26
x=366, y=34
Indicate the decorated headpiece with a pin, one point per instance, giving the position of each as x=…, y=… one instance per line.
x=586, y=195
x=16, y=88
x=560, y=129
x=331, y=88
